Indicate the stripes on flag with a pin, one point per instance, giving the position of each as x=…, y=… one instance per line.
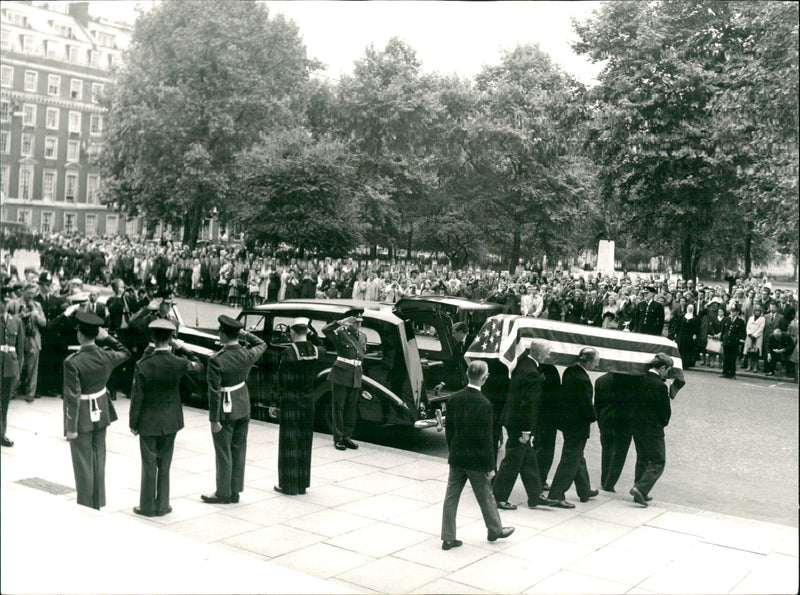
x=619, y=351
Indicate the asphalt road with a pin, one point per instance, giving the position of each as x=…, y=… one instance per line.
x=732, y=445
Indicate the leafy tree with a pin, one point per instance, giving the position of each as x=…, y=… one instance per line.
x=195, y=88
x=303, y=192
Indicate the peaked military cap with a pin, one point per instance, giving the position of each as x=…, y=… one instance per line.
x=161, y=324
x=87, y=319
x=226, y=323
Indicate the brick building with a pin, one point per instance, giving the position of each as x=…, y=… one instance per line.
x=55, y=61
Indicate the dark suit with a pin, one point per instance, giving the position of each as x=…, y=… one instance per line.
x=547, y=427
x=345, y=377
x=733, y=335
x=85, y=376
x=650, y=413
x=521, y=414
x=576, y=416
x=156, y=416
x=648, y=318
x=12, y=343
x=612, y=396
x=227, y=390
x=593, y=313
x=471, y=456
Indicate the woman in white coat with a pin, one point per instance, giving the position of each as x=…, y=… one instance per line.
x=754, y=341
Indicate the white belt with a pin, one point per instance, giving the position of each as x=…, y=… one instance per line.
x=352, y=362
x=96, y=395
x=7, y=348
x=230, y=389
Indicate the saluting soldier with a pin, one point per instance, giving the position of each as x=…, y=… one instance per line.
x=229, y=406
x=87, y=409
x=12, y=346
x=345, y=377
x=156, y=414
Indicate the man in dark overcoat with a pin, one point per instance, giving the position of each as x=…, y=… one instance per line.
x=648, y=318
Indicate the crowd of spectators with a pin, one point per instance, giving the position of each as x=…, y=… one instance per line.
x=237, y=277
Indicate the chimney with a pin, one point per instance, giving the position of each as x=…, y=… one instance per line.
x=80, y=12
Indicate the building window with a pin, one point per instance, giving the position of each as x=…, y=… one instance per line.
x=105, y=39
x=69, y=222
x=48, y=184
x=96, y=124
x=27, y=44
x=92, y=184
x=112, y=224
x=51, y=48
x=26, y=145
x=97, y=89
x=72, y=53
x=25, y=182
x=51, y=119
x=5, y=141
x=28, y=114
x=6, y=171
x=5, y=110
x=46, y=226
x=15, y=18
x=75, y=122
x=51, y=147
x=7, y=76
x=71, y=187
x=73, y=151
x=31, y=78
x=111, y=60
x=94, y=58
x=91, y=224
x=64, y=30
x=76, y=89
x=24, y=216
x=53, y=85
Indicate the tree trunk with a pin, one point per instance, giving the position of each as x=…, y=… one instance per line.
x=513, y=258
x=408, y=241
x=191, y=225
x=690, y=257
x=748, y=250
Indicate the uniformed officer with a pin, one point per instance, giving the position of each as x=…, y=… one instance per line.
x=345, y=377
x=12, y=345
x=229, y=406
x=156, y=414
x=87, y=409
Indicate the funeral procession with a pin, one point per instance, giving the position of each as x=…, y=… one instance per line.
x=399, y=297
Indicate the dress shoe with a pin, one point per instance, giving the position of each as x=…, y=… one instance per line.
x=540, y=501
x=504, y=532
x=280, y=490
x=6, y=442
x=506, y=506
x=449, y=545
x=29, y=399
x=167, y=510
x=234, y=497
x=591, y=494
x=340, y=446
x=141, y=512
x=648, y=498
x=214, y=499
x=609, y=489
x=562, y=504
x=350, y=444
x=638, y=497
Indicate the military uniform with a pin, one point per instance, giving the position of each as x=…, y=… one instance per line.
x=88, y=411
x=648, y=318
x=156, y=416
x=229, y=405
x=12, y=344
x=345, y=378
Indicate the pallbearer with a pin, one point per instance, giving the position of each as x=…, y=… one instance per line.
x=87, y=409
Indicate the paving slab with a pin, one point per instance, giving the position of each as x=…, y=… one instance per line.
x=566, y=581
x=392, y=575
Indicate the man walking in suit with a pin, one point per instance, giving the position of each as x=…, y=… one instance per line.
x=12, y=343
x=612, y=395
x=229, y=406
x=345, y=377
x=520, y=418
x=650, y=413
x=648, y=318
x=156, y=415
x=87, y=409
x=471, y=456
x=577, y=415
x=547, y=425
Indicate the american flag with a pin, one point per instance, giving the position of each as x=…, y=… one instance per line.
x=506, y=337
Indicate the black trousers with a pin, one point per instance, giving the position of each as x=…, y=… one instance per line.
x=615, y=440
x=156, y=454
x=519, y=460
x=651, y=456
x=571, y=468
x=345, y=399
x=545, y=446
x=7, y=385
x=230, y=448
x=88, y=452
x=729, y=355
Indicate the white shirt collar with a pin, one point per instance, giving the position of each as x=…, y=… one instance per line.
x=477, y=388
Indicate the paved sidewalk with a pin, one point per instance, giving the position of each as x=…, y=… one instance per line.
x=369, y=523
